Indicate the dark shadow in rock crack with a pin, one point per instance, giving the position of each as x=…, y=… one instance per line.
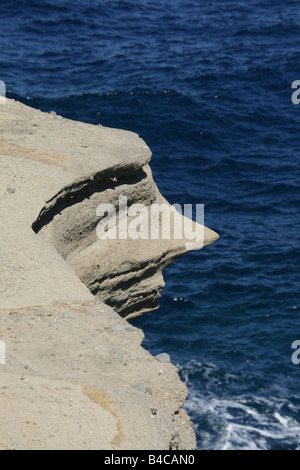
x=84, y=189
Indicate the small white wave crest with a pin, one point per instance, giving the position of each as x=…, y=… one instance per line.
x=241, y=422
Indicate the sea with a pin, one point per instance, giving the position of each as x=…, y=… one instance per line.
x=208, y=86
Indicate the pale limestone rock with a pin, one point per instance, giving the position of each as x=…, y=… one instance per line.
x=59, y=337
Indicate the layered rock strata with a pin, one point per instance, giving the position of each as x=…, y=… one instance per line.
x=58, y=281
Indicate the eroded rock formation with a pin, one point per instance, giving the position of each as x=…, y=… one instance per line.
x=124, y=273
x=54, y=173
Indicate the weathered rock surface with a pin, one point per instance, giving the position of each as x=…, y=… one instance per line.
x=69, y=383
x=70, y=348
x=125, y=274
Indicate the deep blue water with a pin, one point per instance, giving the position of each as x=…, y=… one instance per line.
x=208, y=86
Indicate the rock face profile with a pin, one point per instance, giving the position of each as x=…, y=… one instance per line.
x=75, y=367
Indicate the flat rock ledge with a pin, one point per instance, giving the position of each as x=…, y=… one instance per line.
x=76, y=375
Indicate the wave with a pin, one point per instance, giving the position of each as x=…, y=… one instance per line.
x=239, y=422
x=135, y=91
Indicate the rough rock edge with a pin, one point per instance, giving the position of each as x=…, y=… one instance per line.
x=31, y=144
x=84, y=349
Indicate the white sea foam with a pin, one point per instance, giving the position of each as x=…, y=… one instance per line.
x=246, y=423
